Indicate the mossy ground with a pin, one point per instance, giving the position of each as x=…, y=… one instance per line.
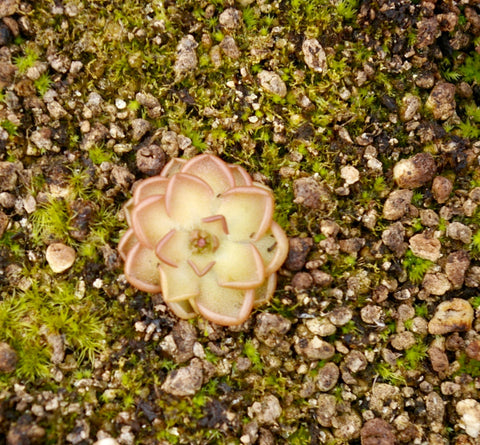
x=111, y=374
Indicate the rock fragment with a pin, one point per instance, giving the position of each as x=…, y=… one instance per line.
x=441, y=101
x=314, y=54
x=151, y=159
x=297, y=253
x=425, y=247
x=469, y=411
x=327, y=377
x=454, y=315
x=184, y=381
x=8, y=358
x=186, y=57
x=393, y=237
x=458, y=231
x=267, y=411
x=377, y=432
x=314, y=348
x=230, y=19
x=415, y=171
x=456, y=267
x=312, y=194
x=397, y=204
x=438, y=358
x=60, y=257
x=441, y=189
x=8, y=176
x=272, y=83
x=436, y=283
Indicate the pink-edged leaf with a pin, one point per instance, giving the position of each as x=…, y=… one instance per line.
x=212, y=170
x=126, y=243
x=172, y=167
x=188, y=200
x=264, y=292
x=273, y=248
x=240, y=175
x=141, y=269
x=248, y=212
x=179, y=283
x=150, y=187
x=150, y=221
x=239, y=266
x=222, y=305
x=172, y=249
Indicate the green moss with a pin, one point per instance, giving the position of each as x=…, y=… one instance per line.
x=416, y=267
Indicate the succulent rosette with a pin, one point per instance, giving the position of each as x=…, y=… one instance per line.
x=202, y=233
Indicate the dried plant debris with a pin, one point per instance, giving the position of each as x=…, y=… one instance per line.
x=362, y=118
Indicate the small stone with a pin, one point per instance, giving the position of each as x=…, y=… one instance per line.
x=340, y=316
x=441, y=101
x=271, y=328
x=186, y=57
x=3, y=223
x=377, y=432
x=355, y=361
x=184, y=381
x=302, y=281
x=469, y=411
x=139, y=128
x=327, y=377
x=415, y=171
x=436, y=283
x=230, y=48
x=314, y=349
x=321, y=278
x=320, y=326
x=427, y=32
x=347, y=426
x=458, y=231
x=314, y=54
x=473, y=350
x=441, y=189
x=8, y=358
x=151, y=159
x=60, y=257
x=267, y=411
x=454, y=315
x=438, y=358
x=435, y=407
x=456, y=267
x=297, y=253
x=410, y=107
x=312, y=194
x=272, y=83
x=8, y=7
x=106, y=441
x=326, y=409
x=397, y=204
x=425, y=247
x=8, y=176
x=230, y=19
x=403, y=341
x=393, y=237
x=351, y=245
x=58, y=348
x=372, y=314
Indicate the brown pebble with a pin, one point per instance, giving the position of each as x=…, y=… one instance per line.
x=302, y=280
x=297, y=253
x=377, y=432
x=438, y=358
x=415, y=171
x=60, y=257
x=473, y=350
x=441, y=189
x=8, y=358
x=455, y=315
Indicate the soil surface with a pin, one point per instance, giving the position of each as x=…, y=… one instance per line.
x=363, y=117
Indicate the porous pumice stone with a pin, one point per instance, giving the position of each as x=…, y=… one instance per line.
x=60, y=257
